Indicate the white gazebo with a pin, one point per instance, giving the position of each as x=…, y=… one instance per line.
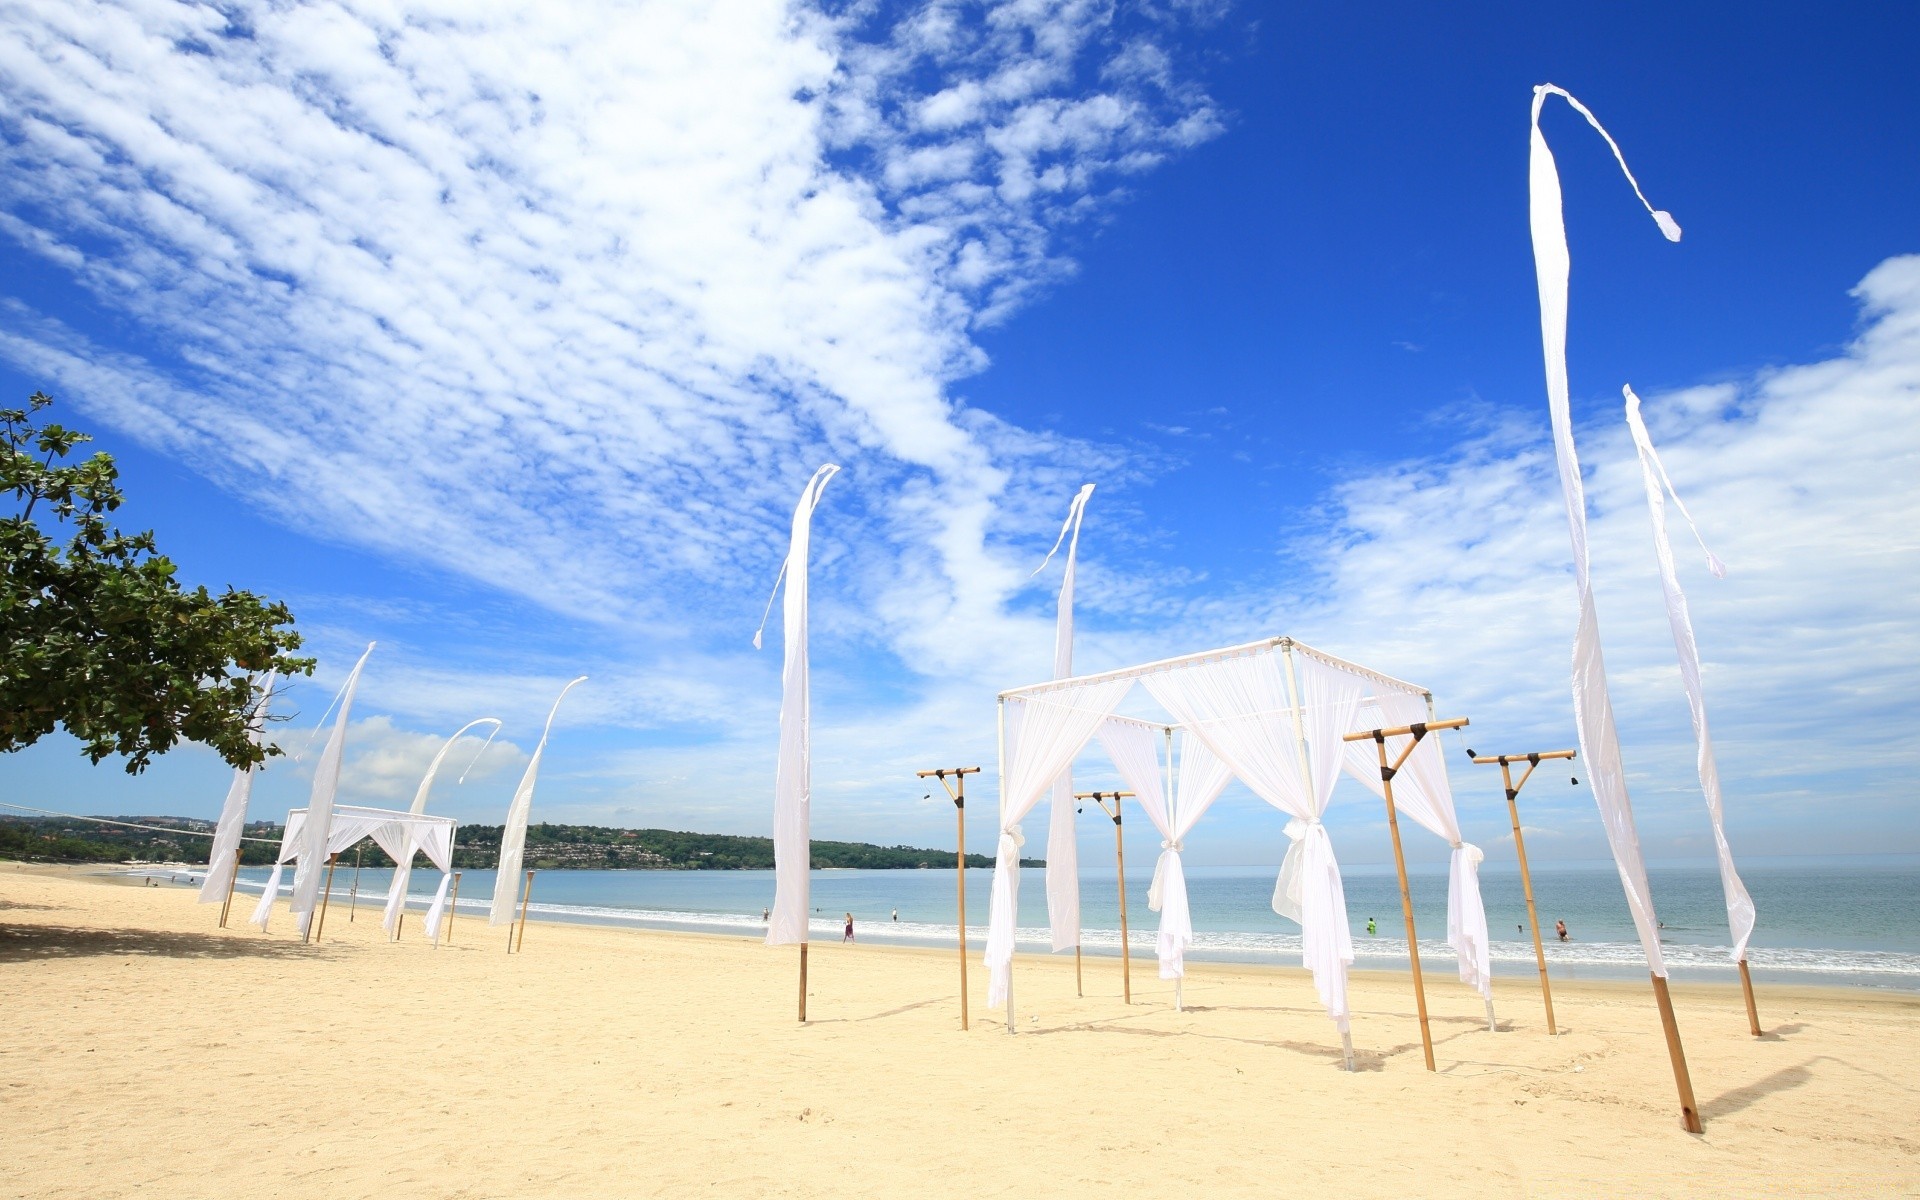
x=398, y=832
x=1272, y=714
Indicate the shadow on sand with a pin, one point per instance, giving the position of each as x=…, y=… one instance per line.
x=22, y=943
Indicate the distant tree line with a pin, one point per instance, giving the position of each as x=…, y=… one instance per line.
x=549, y=847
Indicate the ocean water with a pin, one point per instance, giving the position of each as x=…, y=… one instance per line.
x=1851, y=920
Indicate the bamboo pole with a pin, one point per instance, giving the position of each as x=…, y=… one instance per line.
x=1173, y=819
x=326, y=894
x=957, y=792
x=453, y=907
x=526, y=898
x=1689, y=1113
x=1746, y=986
x=353, y=893
x=1520, y=849
x=231, y=881
x=1000, y=736
x=1414, y=733
x=803, y=983
x=1120, y=865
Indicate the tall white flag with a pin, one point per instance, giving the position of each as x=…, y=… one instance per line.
x=311, y=867
x=1592, y=707
x=1740, y=912
x=233, y=814
x=792, y=783
x=1063, y=847
x=513, y=837
x=403, y=868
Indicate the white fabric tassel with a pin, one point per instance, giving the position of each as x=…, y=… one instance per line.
x=793, y=780
x=309, y=870
x=233, y=813
x=1063, y=834
x=513, y=837
x=1592, y=707
x=1740, y=911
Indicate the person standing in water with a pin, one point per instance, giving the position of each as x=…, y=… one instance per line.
x=849, y=934
x=1560, y=927
x=896, y=914
x=1371, y=927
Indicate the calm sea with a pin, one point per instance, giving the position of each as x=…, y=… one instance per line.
x=1853, y=920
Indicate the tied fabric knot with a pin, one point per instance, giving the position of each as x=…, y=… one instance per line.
x=1174, y=845
x=1157, y=889
x=1014, y=834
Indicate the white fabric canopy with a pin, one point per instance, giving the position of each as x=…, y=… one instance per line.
x=1592, y=707
x=513, y=835
x=398, y=833
x=1740, y=912
x=1133, y=747
x=1042, y=735
x=221, y=861
x=1422, y=792
x=1063, y=833
x=793, y=779
x=403, y=866
x=326, y=781
x=1242, y=710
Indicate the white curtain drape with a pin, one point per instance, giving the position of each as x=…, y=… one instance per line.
x=1592, y=707
x=793, y=779
x=398, y=833
x=1239, y=707
x=513, y=836
x=1134, y=749
x=1740, y=911
x=1042, y=736
x=233, y=813
x=326, y=782
x=1063, y=833
x=403, y=866
x=1422, y=792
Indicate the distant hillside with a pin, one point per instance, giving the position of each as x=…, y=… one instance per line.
x=549, y=847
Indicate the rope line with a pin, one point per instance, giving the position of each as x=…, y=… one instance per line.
x=128, y=824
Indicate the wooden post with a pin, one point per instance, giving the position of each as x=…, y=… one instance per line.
x=326, y=893
x=453, y=907
x=1387, y=771
x=231, y=881
x=957, y=792
x=803, y=983
x=1689, y=1113
x=1079, y=983
x=1520, y=848
x=1120, y=863
x=353, y=893
x=1746, y=986
x=526, y=898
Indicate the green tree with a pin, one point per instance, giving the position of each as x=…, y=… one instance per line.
x=97, y=635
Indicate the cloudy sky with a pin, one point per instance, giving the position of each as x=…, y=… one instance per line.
x=507, y=336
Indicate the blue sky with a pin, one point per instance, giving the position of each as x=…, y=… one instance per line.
x=508, y=340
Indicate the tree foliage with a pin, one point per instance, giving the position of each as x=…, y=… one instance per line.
x=98, y=636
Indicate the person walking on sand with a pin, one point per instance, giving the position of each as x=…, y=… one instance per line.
x=1560, y=927
x=849, y=934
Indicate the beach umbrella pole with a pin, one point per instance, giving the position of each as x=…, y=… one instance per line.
x=1506, y=762
x=956, y=792
x=1379, y=739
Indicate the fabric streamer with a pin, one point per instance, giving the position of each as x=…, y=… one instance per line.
x=233, y=813
x=1063, y=833
x=513, y=837
x=403, y=866
x=1422, y=792
x=793, y=780
x=1740, y=911
x=1592, y=706
x=326, y=781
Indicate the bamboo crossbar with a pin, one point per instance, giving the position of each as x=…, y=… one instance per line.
x=1541, y=756
x=1417, y=729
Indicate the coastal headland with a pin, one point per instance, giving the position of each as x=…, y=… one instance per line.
x=152, y=1053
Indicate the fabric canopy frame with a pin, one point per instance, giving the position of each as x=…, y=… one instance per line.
x=398, y=832
x=1327, y=947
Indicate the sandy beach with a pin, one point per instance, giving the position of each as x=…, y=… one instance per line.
x=152, y=1053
